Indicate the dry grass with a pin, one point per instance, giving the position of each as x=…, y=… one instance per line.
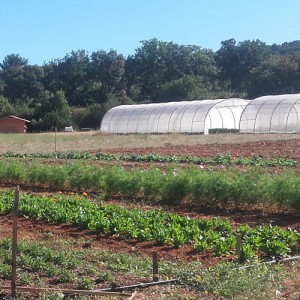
x=91, y=140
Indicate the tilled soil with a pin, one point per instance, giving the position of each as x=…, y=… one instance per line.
x=271, y=149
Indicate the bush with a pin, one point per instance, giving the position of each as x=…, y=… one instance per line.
x=223, y=130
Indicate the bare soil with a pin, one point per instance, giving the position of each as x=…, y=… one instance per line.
x=271, y=149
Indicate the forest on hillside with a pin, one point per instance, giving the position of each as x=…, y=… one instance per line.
x=79, y=88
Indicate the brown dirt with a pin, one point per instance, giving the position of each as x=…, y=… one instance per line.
x=272, y=149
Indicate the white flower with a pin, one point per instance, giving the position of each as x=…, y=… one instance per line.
x=277, y=294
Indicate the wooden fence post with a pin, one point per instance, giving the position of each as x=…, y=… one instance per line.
x=15, y=244
x=55, y=132
x=238, y=247
x=155, y=266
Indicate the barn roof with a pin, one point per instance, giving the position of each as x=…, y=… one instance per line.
x=14, y=117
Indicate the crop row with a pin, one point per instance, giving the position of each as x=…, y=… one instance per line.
x=216, y=235
x=225, y=159
x=200, y=187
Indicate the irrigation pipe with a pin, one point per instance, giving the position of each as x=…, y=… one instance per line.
x=69, y=291
x=139, y=285
x=143, y=285
x=273, y=261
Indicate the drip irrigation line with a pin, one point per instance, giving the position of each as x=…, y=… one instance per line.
x=139, y=285
x=273, y=261
x=289, y=259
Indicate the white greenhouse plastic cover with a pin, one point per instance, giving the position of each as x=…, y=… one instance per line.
x=272, y=114
x=182, y=117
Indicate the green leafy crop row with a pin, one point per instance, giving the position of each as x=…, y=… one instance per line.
x=225, y=159
x=216, y=235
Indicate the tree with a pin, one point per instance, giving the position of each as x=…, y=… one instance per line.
x=285, y=48
x=13, y=61
x=157, y=63
x=53, y=111
x=32, y=82
x=148, y=68
x=238, y=60
x=6, y=108
x=191, y=87
x=51, y=79
x=277, y=75
x=108, y=70
x=72, y=74
x=91, y=116
x=19, y=81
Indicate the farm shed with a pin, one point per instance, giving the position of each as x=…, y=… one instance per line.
x=13, y=124
x=272, y=114
x=181, y=117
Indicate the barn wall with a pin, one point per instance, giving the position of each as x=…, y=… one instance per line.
x=12, y=125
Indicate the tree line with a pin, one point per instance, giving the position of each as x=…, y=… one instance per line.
x=79, y=88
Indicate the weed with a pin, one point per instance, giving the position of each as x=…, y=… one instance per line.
x=85, y=283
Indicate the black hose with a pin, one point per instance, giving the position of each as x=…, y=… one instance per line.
x=139, y=285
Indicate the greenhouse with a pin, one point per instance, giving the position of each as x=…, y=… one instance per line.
x=272, y=114
x=174, y=117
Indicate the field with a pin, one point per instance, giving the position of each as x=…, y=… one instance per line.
x=81, y=141
x=228, y=183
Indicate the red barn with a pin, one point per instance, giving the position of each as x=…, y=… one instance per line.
x=13, y=124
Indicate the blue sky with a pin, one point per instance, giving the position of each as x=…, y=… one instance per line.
x=42, y=30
